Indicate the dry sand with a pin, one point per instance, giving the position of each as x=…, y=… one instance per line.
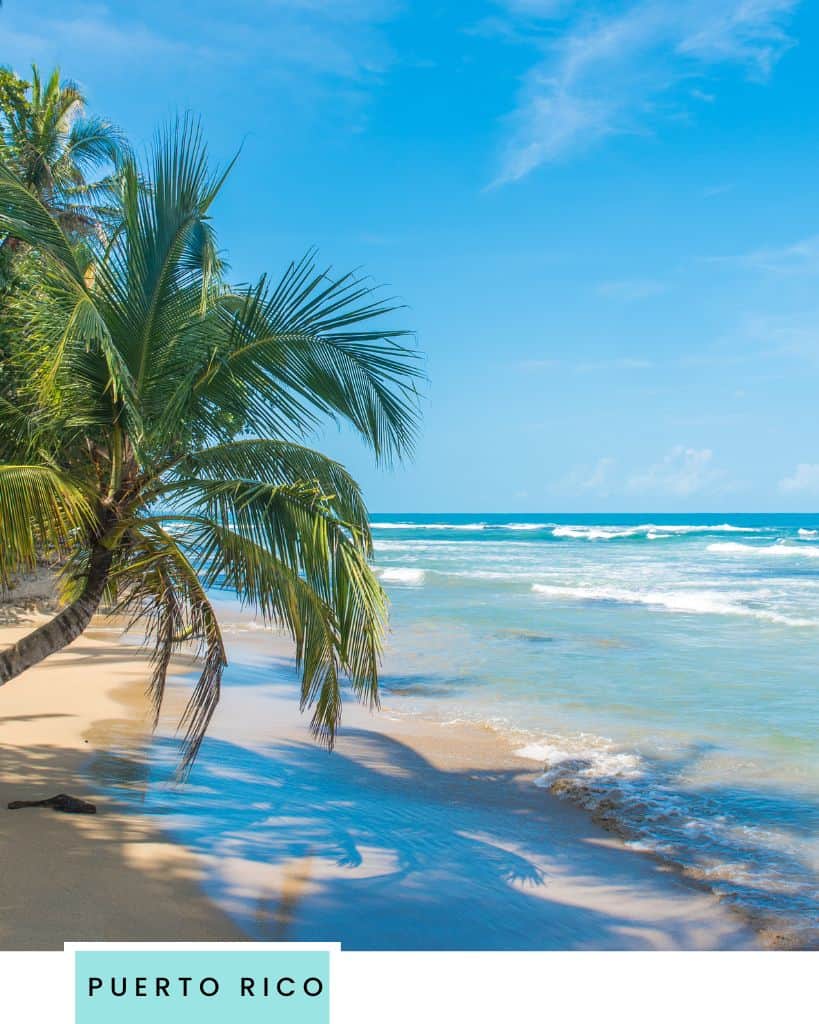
x=411, y=835
x=112, y=876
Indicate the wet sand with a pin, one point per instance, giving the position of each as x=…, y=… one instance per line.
x=411, y=835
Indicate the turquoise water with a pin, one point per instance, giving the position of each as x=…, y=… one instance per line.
x=662, y=669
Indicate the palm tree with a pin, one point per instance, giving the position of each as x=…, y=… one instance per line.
x=158, y=441
x=53, y=146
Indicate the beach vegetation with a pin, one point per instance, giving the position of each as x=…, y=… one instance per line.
x=56, y=149
x=156, y=443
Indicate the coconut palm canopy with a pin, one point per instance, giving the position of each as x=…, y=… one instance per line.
x=156, y=441
x=55, y=147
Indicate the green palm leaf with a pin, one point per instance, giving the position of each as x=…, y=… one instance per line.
x=42, y=512
x=169, y=409
x=294, y=351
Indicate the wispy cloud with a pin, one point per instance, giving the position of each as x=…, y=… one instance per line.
x=605, y=71
x=774, y=337
x=681, y=473
x=598, y=479
x=94, y=31
x=338, y=38
x=803, y=480
x=800, y=257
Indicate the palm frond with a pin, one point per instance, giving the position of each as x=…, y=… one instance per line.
x=168, y=411
x=93, y=141
x=24, y=216
x=302, y=346
x=41, y=513
x=278, y=462
x=337, y=637
x=284, y=552
x=161, y=590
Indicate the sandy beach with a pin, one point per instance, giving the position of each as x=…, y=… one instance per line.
x=112, y=876
x=410, y=835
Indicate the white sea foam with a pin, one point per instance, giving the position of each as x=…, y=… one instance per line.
x=633, y=796
x=720, y=528
x=696, y=602
x=651, y=530
x=583, y=756
x=778, y=550
x=469, y=527
x=593, y=532
x=409, y=577
x=397, y=526
x=808, y=533
x=571, y=531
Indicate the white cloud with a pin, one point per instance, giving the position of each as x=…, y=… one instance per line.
x=338, y=38
x=92, y=32
x=794, y=336
x=805, y=480
x=749, y=32
x=610, y=71
x=681, y=473
x=800, y=257
x=600, y=476
x=597, y=479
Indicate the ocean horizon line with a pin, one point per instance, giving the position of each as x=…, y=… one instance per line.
x=575, y=512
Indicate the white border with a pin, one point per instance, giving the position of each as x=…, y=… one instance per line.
x=425, y=988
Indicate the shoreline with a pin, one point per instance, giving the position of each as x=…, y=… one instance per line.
x=449, y=843
x=772, y=933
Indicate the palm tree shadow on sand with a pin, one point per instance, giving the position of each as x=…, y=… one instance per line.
x=385, y=851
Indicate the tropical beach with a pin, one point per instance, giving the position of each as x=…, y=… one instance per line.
x=403, y=544
x=440, y=840
x=476, y=809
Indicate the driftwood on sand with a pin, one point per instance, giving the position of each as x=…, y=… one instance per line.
x=61, y=802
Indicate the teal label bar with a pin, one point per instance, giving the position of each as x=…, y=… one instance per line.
x=153, y=987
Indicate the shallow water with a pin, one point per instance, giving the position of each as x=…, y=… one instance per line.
x=663, y=670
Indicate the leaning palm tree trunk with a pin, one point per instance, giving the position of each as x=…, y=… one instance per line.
x=53, y=636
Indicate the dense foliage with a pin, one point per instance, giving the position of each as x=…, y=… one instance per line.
x=153, y=437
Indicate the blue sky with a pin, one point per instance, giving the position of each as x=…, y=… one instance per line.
x=603, y=218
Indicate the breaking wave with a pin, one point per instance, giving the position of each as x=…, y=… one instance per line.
x=639, y=799
x=651, y=530
x=409, y=577
x=696, y=602
x=779, y=550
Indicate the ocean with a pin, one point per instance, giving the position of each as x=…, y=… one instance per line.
x=659, y=670
x=663, y=669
